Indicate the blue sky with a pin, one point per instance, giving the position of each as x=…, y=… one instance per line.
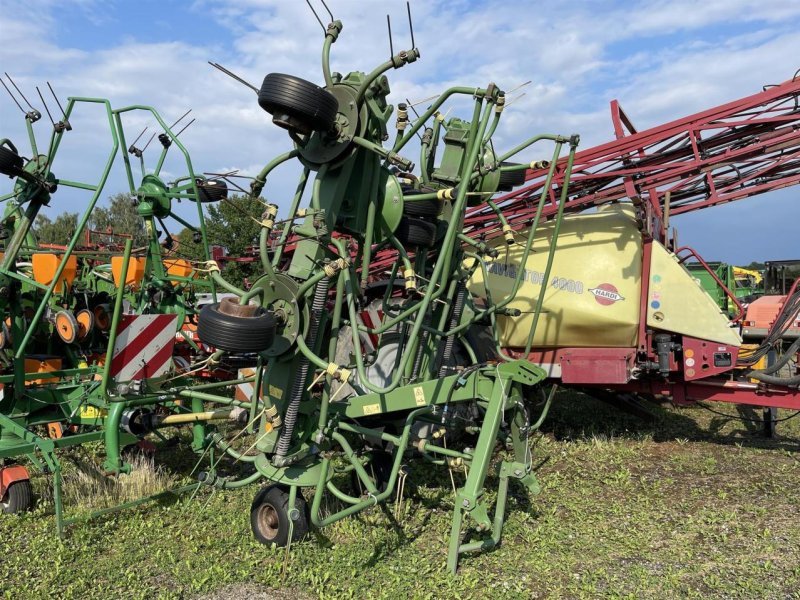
x=662, y=60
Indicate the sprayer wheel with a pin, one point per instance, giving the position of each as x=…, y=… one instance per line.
x=770, y=416
x=10, y=162
x=18, y=498
x=236, y=333
x=510, y=179
x=270, y=516
x=295, y=103
x=211, y=190
x=421, y=208
x=416, y=232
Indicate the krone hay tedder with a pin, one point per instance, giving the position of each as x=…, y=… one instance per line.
x=360, y=375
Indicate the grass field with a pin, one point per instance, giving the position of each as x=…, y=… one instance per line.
x=690, y=504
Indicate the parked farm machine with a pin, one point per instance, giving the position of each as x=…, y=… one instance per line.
x=89, y=334
x=637, y=183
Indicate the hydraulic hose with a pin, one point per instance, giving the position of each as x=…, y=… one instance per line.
x=775, y=380
x=299, y=383
x=787, y=356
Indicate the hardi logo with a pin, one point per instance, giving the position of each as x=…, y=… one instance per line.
x=606, y=294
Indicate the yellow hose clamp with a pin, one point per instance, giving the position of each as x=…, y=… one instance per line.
x=411, y=279
x=271, y=412
x=301, y=212
x=276, y=421
x=332, y=268
x=212, y=266
x=446, y=194
x=539, y=164
x=439, y=116
x=500, y=105
x=508, y=232
x=402, y=118
x=337, y=372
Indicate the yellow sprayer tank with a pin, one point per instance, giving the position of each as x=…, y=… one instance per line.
x=594, y=290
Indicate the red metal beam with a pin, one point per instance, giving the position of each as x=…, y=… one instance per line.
x=740, y=149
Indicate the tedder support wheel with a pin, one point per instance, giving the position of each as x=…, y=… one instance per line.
x=270, y=516
x=510, y=179
x=416, y=232
x=18, y=498
x=298, y=104
x=228, y=326
x=422, y=208
x=10, y=162
x=211, y=190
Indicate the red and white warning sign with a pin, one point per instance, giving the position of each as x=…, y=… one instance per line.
x=244, y=391
x=143, y=347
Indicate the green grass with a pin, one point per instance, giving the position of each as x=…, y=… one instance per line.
x=691, y=504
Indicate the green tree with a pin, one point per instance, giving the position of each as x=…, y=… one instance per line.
x=187, y=247
x=58, y=231
x=119, y=217
x=234, y=225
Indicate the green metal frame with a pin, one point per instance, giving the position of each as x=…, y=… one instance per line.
x=81, y=393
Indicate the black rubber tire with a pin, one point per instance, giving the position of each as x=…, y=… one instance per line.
x=10, y=162
x=510, y=179
x=422, y=208
x=269, y=516
x=212, y=190
x=302, y=100
x=235, y=333
x=18, y=498
x=415, y=232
